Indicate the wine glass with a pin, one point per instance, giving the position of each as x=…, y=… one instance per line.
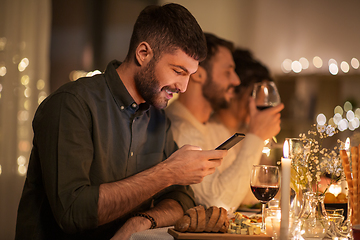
x=264, y=183
x=265, y=94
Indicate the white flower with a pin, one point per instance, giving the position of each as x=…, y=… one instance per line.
x=330, y=130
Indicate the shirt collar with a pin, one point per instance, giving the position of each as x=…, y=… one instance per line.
x=120, y=94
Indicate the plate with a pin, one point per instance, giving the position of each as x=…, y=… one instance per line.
x=253, y=210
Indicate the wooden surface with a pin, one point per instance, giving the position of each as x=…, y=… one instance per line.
x=215, y=236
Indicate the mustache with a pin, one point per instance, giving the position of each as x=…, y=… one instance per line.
x=230, y=87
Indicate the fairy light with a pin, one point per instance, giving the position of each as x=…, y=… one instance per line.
x=2, y=71
x=321, y=119
x=296, y=66
x=286, y=65
x=355, y=63
x=304, y=63
x=333, y=69
x=347, y=106
x=318, y=62
x=338, y=109
x=344, y=67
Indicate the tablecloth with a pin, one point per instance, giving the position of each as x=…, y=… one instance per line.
x=152, y=234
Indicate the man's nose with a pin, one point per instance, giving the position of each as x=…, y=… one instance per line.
x=235, y=80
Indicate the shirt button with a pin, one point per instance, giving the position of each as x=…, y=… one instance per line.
x=122, y=107
x=134, y=105
x=132, y=154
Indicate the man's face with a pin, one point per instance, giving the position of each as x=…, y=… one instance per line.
x=158, y=80
x=219, y=86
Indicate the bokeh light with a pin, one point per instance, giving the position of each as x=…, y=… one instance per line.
x=286, y=65
x=23, y=64
x=344, y=67
x=25, y=80
x=350, y=115
x=357, y=113
x=296, y=66
x=40, y=84
x=332, y=61
x=318, y=62
x=304, y=63
x=337, y=118
x=355, y=63
x=333, y=69
x=331, y=122
x=343, y=124
x=2, y=71
x=339, y=110
x=347, y=106
x=321, y=119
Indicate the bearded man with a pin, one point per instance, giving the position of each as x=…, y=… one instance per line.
x=104, y=163
x=210, y=89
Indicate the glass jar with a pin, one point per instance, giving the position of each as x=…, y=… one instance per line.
x=313, y=217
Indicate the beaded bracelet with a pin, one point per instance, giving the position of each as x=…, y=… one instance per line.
x=145, y=215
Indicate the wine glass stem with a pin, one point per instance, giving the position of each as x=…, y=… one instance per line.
x=263, y=217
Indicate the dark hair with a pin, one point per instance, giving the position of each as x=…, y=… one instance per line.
x=166, y=29
x=249, y=69
x=213, y=42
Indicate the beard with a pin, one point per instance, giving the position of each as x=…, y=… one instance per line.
x=214, y=94
x=148, y=85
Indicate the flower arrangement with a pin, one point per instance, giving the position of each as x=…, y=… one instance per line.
x=316, y=161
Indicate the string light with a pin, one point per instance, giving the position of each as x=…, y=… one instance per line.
x=303, y=64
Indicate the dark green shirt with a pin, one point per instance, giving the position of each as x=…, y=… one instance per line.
x=87, y=133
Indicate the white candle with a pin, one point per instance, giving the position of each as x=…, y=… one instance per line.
x=285, y=192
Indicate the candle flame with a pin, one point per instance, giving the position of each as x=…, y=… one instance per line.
x=286, y=149
x=347, y=144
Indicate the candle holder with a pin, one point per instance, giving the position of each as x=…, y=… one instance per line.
x=271, y=226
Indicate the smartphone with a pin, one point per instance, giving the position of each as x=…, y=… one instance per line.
x=234, y=139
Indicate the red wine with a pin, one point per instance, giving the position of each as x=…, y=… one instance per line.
x=262, y=107
x=264, y=193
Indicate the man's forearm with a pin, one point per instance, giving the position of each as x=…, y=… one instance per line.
x=119, y=198
x=166, y=213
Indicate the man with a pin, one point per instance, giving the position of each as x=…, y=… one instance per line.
x=236, y=117
x=211, y=88
x=103, y=153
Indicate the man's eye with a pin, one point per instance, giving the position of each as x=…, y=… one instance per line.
x=177, y=72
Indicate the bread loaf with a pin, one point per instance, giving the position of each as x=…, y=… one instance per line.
x=197, y=219
x=201, y=223
x=212, y=215
x=193, y=219
x=220, y=222
x=182, y=225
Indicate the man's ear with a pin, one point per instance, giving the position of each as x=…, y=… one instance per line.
x=200, y=75
x=143, y=53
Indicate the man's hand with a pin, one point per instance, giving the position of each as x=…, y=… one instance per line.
x=264, y=123
x=190, y=164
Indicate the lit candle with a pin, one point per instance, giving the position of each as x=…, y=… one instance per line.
x=285, y=192
x=347, y=146
x=272, y=226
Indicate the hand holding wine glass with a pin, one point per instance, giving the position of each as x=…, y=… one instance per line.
x=265, y=94
x=264, y=183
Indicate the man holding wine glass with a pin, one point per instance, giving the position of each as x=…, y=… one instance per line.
x=210, y=89
x=237, y=118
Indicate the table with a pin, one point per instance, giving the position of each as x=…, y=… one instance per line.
x=152, y=234
x=159, y=233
